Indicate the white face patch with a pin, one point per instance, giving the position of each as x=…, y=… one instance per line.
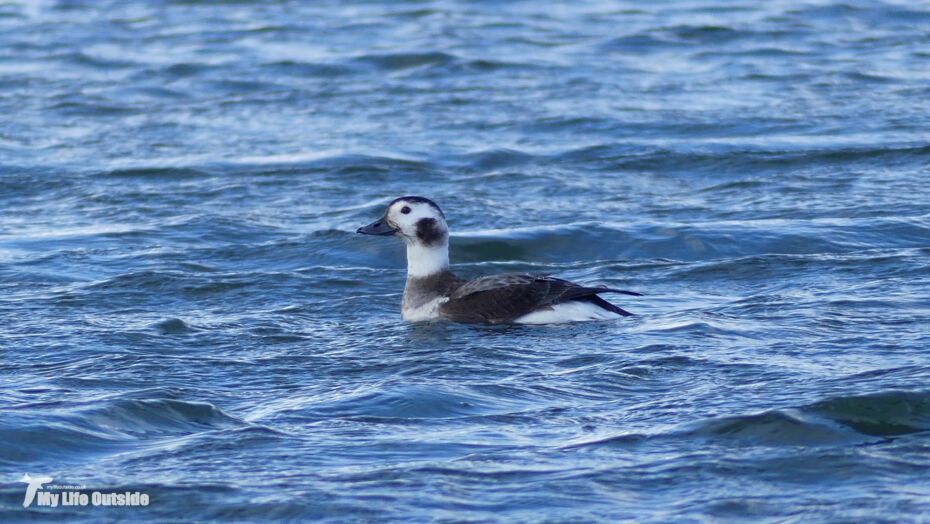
x=416, y=211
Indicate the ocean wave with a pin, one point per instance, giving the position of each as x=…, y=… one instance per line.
x=832, y=422
x=404, y=403
x=888, y=262
x=114, y=426
x=402, y=61
x=491, y=159
x=438, y=61
x=143, y=418
x=694, y=242
x=337, y=164
x=157, y=173
x=729, y=159
x=173, y=326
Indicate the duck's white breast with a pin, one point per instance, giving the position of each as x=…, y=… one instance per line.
x=427, y=311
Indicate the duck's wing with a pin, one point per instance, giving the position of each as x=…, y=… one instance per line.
x=503, y=298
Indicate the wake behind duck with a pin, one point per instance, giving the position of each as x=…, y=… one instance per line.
x=434, y=292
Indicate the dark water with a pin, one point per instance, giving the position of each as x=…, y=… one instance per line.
x=185, y=309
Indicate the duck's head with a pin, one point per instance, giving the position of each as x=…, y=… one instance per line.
x=417, y=220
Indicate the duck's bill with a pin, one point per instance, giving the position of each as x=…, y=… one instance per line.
x=379, y=227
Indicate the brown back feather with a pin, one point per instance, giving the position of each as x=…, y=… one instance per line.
x=503, y=298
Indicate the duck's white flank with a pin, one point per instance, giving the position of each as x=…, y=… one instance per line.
x=572, y=311
x=423, y=261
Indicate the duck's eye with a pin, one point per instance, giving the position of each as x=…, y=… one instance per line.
x=405, y=210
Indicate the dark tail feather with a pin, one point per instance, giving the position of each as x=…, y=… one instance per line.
x=623, y=291
x=598, y=301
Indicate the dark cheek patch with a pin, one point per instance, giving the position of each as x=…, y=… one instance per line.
x=428, y=231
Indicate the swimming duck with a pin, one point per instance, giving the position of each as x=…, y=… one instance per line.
x=433, y=292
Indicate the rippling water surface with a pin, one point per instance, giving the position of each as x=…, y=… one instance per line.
x=185, y=309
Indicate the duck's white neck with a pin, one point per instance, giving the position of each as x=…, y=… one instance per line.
x=423, y=261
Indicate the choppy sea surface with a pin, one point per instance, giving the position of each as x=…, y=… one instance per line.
x=186, y=311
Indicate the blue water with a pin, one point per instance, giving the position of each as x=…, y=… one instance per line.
x=186, y=311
